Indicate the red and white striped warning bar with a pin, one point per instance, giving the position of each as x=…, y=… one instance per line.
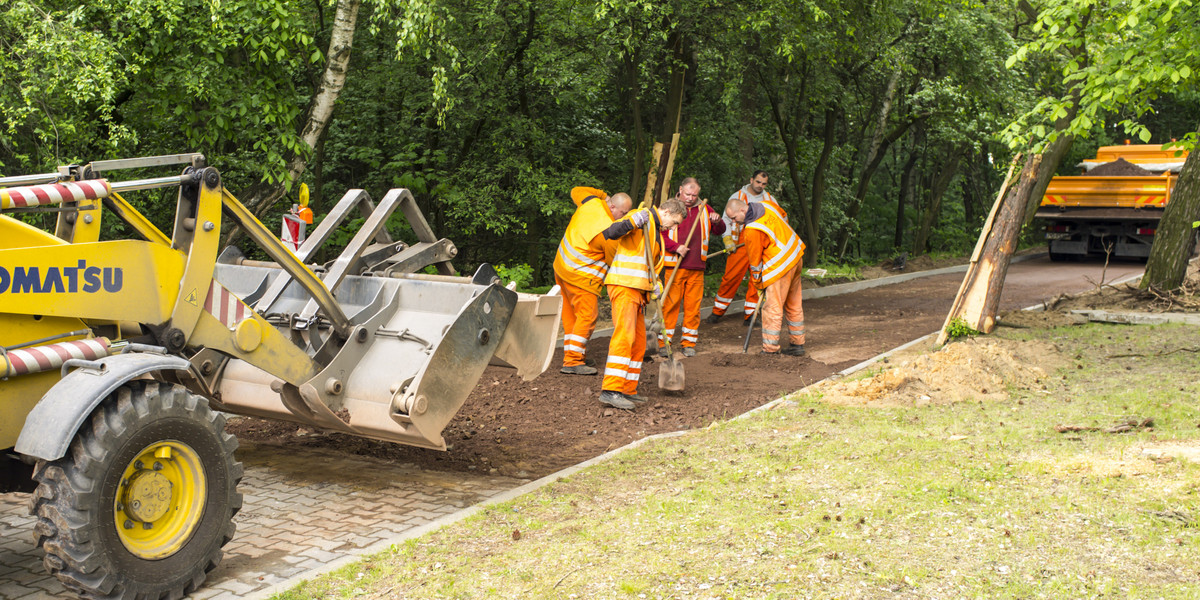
x=51, y=356
x=53, y=193
x=226, y=307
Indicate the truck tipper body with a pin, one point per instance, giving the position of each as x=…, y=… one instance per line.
x=1114, y=207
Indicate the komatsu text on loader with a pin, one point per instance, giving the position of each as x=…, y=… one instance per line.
x=118, y=358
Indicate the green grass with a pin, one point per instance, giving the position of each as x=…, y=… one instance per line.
x=822, y=501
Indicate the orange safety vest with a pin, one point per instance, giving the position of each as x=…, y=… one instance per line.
x=734, y=235
x=781, y=255
x=671, y=259
x=629, y=266
x=583, y=254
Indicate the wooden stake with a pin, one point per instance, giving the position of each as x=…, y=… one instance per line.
x=969, y=277
x=652, y=175
x=666, y=182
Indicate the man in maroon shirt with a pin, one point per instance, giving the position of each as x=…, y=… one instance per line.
x=688, y=258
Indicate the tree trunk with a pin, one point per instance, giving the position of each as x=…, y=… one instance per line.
x=937, y=192
x=870, y=159
x=812, y=219
x=638, y=134
x=907, y=185
x=979, y=296
x=1174, y=240
x=320, y=112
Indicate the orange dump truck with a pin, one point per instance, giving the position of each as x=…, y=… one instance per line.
x=1115, y=206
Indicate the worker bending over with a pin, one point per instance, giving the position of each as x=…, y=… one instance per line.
x=580, y=266
x=631, y=277
x=737, y=263
x=687, y=287
x=776, y=255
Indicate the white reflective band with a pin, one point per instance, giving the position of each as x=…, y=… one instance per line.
x=690, y=338
x=726, y=300
x=751, y=304
x=630, y=258
x=635, y=365
x=573, y=348
x=617, y=360
x=597, y=272
x=795, y=323
x=721, y=305
x=641, y=273
x=575, y=338
x=612, y=372
x=686, y=330
x=770, y=332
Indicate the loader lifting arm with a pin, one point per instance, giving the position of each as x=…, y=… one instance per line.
x=113, y=351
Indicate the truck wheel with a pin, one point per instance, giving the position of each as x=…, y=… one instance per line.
x=144, y=499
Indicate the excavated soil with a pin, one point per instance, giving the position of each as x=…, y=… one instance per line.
x=1119, y=168
x=968, y=370
x=531, y=429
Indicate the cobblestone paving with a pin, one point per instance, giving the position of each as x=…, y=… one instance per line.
x=303, y=508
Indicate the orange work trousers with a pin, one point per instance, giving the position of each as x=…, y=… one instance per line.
x=688, y=289
x=783, y=302
x=736, y=266
x=628, y=345
x=578, y=321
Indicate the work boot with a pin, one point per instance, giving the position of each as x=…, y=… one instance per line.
x=616, y=400
x=579, y=370
x=689, y=351
x=776, y=353
x=712, y=319
x=794, y=350
x=637, y=398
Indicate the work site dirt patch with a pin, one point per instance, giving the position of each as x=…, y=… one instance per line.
x=973, y=369
x=530, y=429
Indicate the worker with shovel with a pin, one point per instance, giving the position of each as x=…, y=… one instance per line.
x=631, y=278
x=776, y=255
x=737, y=263
x=580, y=266
x=685, y=260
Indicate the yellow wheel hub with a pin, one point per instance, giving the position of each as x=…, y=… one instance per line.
x=160, y=499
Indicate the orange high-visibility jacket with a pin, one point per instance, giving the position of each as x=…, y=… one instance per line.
x=734, y=234
x=629, y=267
x=772, y=247
x=583, y=254
x=679, y=236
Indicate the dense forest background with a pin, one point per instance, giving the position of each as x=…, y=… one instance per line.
x=886, y=125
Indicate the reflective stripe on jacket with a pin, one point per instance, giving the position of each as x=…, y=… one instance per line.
x=679, y=235
x=629, y=267
x=768, y=201
x=777, y=251
x=583, y=254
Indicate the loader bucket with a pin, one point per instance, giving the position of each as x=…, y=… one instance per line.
x=421, y=343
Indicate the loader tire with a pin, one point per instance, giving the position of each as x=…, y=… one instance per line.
x=144, y=499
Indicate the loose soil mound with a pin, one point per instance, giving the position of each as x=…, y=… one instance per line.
x=967, y=370
x=1119, y=168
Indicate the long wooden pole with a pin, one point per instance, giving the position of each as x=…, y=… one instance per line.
x=956, y=308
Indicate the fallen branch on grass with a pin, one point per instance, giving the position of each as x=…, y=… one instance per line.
x=1119, y=427
x=1197, y=349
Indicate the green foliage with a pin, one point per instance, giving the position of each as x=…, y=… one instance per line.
x=521, y=274
x=959, y=328
x=490, y=112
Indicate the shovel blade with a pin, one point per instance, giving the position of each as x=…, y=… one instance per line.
x=670, y=375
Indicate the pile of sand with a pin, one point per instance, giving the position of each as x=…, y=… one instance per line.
x=974, y=369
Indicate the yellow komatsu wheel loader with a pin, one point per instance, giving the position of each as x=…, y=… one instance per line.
x=119, y=357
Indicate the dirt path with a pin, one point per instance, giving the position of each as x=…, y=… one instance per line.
x=529, y=429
